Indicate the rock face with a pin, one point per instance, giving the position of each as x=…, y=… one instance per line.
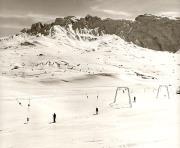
x=38, y=28
x=157, y=33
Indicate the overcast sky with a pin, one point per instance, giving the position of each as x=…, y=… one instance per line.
x=17, y=14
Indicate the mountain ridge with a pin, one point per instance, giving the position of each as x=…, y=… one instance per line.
x=148, y=31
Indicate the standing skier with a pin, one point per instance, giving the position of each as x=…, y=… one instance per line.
x=27, y=119
x=54, y=118
x=97, y=110
x=134, y=99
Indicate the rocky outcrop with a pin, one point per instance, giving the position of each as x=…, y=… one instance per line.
x=156, y=33
x=27, y=44
x=149, y=31
x=38, y=28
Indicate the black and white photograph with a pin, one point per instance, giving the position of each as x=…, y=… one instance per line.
x=89, y=73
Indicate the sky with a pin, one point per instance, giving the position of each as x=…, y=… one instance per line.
x=18, y=14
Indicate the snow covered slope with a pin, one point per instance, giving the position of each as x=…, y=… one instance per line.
x=83, y=53
x=65, y=72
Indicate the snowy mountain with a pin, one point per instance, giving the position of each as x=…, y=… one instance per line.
x=148, y=31
x=30, y=56
x=71, y=73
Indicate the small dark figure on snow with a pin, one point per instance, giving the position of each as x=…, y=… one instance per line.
x=134, y=99
x=54, y=118
x=27, y=119
x=97, y=111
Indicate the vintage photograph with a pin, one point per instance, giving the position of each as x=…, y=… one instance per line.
x=89, y=74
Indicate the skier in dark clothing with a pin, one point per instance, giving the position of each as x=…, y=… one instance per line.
x=97, y=111
x=134, y=99
x=27, y=120
x=54, y=118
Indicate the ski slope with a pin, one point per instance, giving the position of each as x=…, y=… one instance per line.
x=65, y=72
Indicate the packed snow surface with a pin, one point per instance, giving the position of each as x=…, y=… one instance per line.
x=70, y=73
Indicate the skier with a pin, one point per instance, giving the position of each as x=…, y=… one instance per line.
x=54, y=118
x=97, y=110
x=134, y=99
x=27, y=119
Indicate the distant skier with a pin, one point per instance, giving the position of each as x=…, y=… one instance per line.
x=54, y=118
x=134, y=99
x=97, y=110
x=27, y=120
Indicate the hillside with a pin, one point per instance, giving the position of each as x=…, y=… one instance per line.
x=58, y=52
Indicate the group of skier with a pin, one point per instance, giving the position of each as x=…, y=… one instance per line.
x=97, y=111
x=54, y=115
